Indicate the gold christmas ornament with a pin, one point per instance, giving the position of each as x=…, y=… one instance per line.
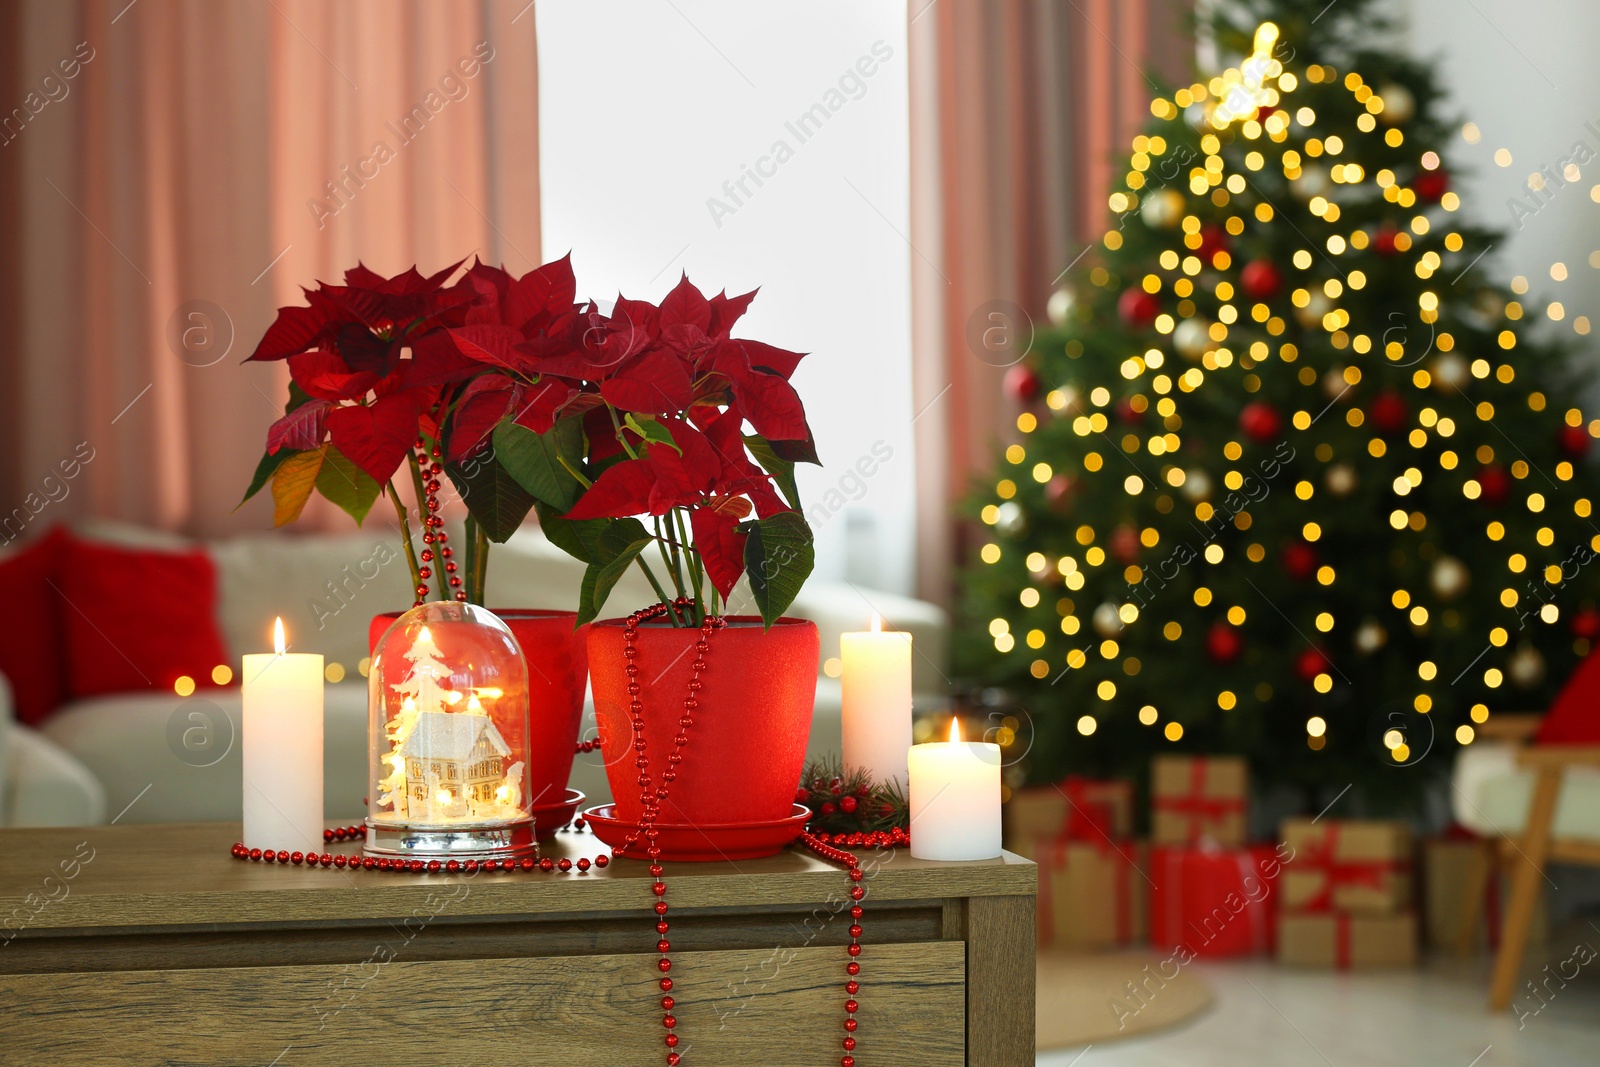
x=1061, y=305
x=1107, y=621
x=1450, y=577
x=1197, y=485
x=1450, y=372
x=1399, y=106
x=1163, y=209
x=1370, y=636
x=1525, y=667
x=1341, y=479
x=1192, y=338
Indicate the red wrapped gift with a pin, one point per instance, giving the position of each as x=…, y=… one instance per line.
x=1197, y=798
x=1212, y=901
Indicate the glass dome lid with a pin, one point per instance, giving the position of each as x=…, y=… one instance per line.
x=447, y=734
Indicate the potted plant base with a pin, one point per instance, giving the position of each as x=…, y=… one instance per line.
x=746, y=743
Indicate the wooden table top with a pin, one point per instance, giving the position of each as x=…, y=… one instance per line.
x=166, y=875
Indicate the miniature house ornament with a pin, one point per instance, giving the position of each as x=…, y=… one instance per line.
x=447, y=736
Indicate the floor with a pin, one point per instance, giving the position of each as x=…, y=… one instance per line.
x=1269, y=1016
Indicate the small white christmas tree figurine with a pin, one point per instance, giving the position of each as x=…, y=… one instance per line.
x=422, y=686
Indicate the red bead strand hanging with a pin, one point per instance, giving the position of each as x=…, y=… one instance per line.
x=435, y=541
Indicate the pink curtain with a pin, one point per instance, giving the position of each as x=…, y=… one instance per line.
x=202, y=161
x=1018, y=110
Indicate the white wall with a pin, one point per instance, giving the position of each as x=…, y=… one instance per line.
x=647, y=109
x=1525, y=73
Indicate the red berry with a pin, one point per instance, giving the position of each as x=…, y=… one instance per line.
x=848, y=805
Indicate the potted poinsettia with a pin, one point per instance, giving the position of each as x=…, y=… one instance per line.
x=382, y=403
x=524, y=399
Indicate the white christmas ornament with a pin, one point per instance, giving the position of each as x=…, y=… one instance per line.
x=1061, y=305
x=1313, y=181
x=1192, y=337
x=1162, y=209
x=1450, y=372
x=1399, y=106
x=1107, y=621
x=1010, y=519
x=1197, y=485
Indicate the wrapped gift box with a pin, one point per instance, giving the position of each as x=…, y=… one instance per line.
x=1453, y=866
x=1091, y=895
x=1195, y=799
x=1334, y=939
x=1075, y=809
x=1218, y=902
x=1347, y=865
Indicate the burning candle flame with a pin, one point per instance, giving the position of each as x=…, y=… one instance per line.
x=277, y=636
x=955, y=730
x=877, y=623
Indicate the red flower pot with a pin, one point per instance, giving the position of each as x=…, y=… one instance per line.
x=747, y=744
x=557, y=657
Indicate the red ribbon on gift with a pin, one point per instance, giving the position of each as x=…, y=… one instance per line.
x=1198, y=808
x=1087, y=818
x=1371, y=873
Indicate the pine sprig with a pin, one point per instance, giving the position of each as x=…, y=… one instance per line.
x=848, y=801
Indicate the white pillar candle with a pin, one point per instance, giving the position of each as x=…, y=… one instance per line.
x=876, y=678
x=955, y=799
x=282, y=739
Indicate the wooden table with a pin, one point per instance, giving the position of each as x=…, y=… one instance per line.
x=146, y=945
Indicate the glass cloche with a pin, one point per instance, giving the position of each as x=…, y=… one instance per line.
x=447, y=738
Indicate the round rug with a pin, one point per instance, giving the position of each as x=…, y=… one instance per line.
x=1086, y=1000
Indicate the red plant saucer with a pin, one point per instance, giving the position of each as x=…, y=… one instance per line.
x=554, y=815
x=687, y=843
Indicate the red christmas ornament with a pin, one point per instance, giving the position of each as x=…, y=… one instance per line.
x=1495, y=483
x=1137, y=307
x=1311, y=663
x=1022, y=384
x=1058, y=493
x=1383, y=242
x=1223, y=643
x=1260, y=279
x=1299, y=560
x=1430, y=185
x=1213, y=239
x=1389, y=414
x=1260, y=422
x=1586, y=624
x=1127, y=413
x=1574, y=440
x=1125, y=544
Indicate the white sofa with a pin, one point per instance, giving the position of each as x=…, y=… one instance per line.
x=157, y=757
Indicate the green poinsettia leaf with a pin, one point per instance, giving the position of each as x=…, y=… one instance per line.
x=535, y=459
x=270, y=462
x=618, y=545
x=347, y=485
x=778, y=556
x=651, y=430
x=782, y=470
x=496, y=499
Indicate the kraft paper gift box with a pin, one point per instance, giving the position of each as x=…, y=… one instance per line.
x=1335, y=939
x=1452, y=865
x=1347, y=865
x=1075, y=809
x=1091, y=895
x=1198, y=798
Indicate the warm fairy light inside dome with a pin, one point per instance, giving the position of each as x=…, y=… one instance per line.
x=277, y=636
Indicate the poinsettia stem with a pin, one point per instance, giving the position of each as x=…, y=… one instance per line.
x=669, y=559
x=660, y=592
x=575, y=472
x=405, y=534
x=696, y=569
x=622, y=438
x=481, y=566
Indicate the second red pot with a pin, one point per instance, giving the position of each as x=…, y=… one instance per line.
x=747, y=744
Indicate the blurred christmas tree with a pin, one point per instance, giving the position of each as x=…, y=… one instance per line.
x=1293, y=480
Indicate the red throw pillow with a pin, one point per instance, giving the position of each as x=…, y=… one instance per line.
x=1574, y=717
x=138, y=618
x=31, y=654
